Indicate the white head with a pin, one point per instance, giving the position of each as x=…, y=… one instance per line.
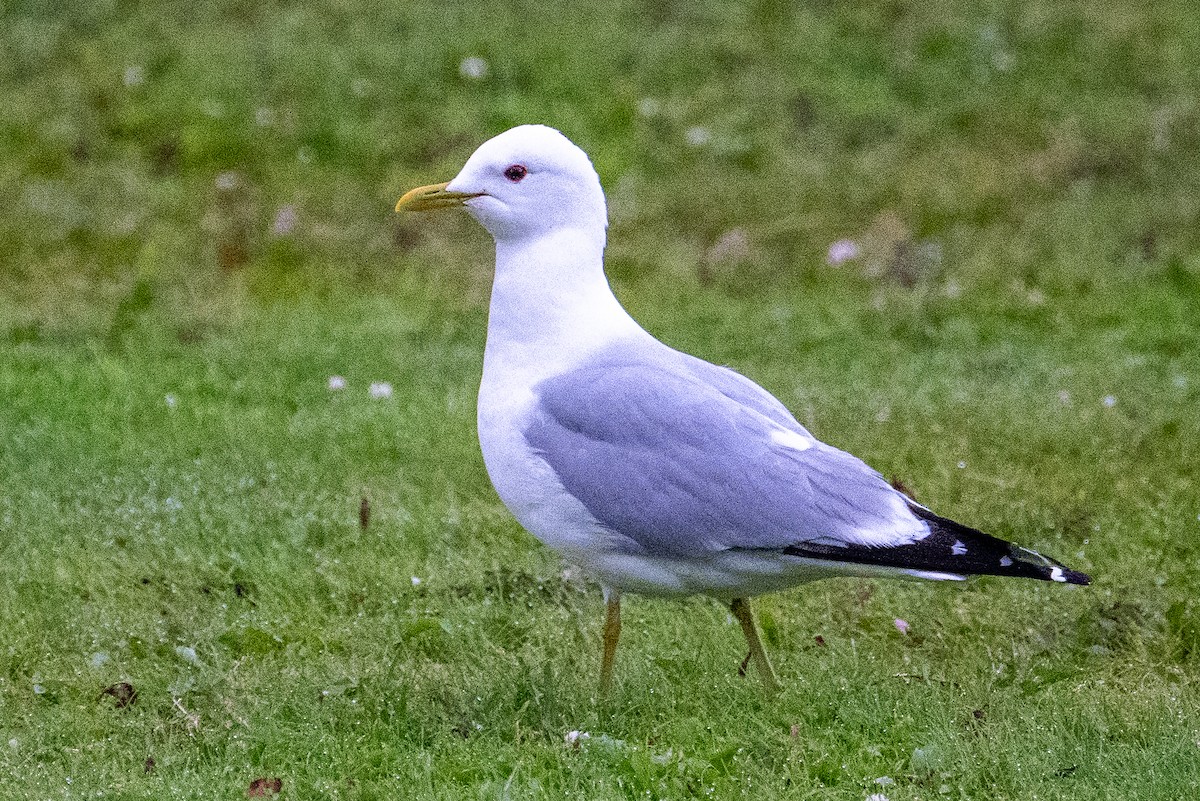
x=523, y=184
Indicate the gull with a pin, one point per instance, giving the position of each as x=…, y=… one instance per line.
x=656, y=471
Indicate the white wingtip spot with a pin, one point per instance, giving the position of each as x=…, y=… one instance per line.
x=1056, y=574
x=958, y=549
x=791, y=439
x=1005, y=561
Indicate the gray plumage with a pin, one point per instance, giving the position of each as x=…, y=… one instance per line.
x=677, y=455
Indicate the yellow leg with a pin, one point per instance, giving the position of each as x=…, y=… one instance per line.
x=612, y=632
x=741, y=611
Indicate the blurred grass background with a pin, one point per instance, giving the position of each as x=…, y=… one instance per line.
x=152, y=150
x=197, y=232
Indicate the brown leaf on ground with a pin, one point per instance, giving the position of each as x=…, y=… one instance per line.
x=262, y=787
x=122, y=692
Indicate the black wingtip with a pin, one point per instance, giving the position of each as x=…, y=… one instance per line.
x=990, y=555
x=1075, y=577
x=950, y=549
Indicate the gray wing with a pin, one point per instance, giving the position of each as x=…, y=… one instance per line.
x=682, y=457
x=736, y=387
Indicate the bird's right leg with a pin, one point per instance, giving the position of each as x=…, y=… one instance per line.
x=741, y=611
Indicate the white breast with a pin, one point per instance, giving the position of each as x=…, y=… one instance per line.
x=549, y=312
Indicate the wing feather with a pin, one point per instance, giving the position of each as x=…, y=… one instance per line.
x=682, y=457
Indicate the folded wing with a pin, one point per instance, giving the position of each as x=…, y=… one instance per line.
x=681, y=465
x=681, y=457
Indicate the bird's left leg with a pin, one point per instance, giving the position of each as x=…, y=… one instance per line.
x=612, y=632
x=741, y=611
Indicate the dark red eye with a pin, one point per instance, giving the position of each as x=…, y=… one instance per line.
x=515, y=172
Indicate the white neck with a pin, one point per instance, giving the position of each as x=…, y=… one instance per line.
x=551, y=305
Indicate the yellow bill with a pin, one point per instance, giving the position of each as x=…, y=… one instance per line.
x=432, y=197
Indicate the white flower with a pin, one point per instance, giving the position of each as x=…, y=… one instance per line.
x=842, y=251
x=135, y=75
x=226, y=180
x=171, y=400
x=649, y=107
x=381, y=389
x=473, y=68
x=416, y=581
x=1109, y=401
x=697, y=136
x=336, y=382
x=901, y=625
x=285, y=220
x=575, y=737
x=264, y=117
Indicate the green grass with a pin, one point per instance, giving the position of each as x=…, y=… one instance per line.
x=1022, y=183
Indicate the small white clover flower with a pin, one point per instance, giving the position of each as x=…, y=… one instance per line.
x=842, y=251
x=649, y=107
x=135, y=75
x=381, y=390
x=473, y=68
x=285, y=220
x=697, y=136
